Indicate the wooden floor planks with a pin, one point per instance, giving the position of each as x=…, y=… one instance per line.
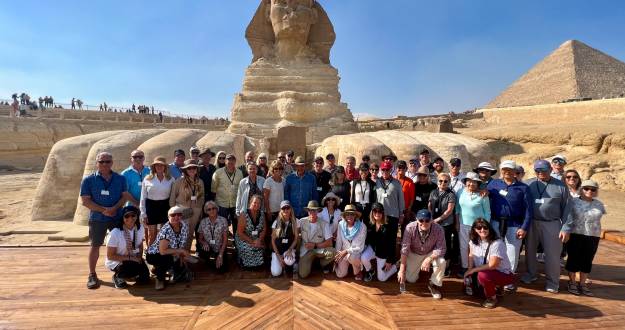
x=45, y=288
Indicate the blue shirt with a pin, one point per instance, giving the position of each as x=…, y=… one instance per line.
x=512, y=202
x=96, y=187
x=175, y=171
x=471, y=206
x=134, y=179
x=299, y=191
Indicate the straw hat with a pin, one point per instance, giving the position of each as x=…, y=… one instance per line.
x=351, y=209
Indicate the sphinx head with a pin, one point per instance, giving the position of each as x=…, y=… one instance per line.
x=291, y=19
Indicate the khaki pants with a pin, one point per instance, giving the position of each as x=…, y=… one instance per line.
x=413, y=267
x=326, y=255
x=192, y=222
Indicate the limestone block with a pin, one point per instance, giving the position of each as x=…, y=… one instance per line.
x=164, y=144
x=55, y=198
x=230, y=143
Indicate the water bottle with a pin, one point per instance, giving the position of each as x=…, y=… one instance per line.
x=402, y=287
x=468, y=288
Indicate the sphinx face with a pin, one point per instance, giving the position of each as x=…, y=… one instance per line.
x=291, y=19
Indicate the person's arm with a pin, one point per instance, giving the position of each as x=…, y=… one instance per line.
x=287, y=189
x=324, y=244
x=493, y=263
x=241, y=230
x=262, y=234
x=144, y=196
x=313, y=187
x=174, y=193
x=200, y=194
x=239, y=202
x=215, y=182
x=440, y=247
x=266, y=196
x=358, y=244
x=447, y=213
x=401, y=274
x=470, y=260
x=224, y=242
x=91, y=205
x=401, y=202
x=295, y=238
x=126, y=196
x=527, y=215
x=163, y=249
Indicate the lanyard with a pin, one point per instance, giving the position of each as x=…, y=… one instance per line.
x=284, y=232
x=362, y=190
x=212, y=229
x=252, y=220
x=107, y=184
x=233, y=176
x=540, y=194
x=455, y=180
x=385, y=186
x=426, y=236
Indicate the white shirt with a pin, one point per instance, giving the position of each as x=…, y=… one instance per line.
x=325, y=216
x=361, y=192
x=497, y=249
x=276, y=194
x=117, y=240
x=456, y=182
x=155, y=190
x=308, y=237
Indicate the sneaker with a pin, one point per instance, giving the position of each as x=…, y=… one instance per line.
x=119, y=282
x=540, y=257
x=490, y=302
x=509, y=288
x=369, y=276
x=326, y=269
x=160, y=285
x=436, y=293
x=573, y=289
x=552, y=290
x=499, y=291
x=585, y=291
x=93, y=282
x=527, y=279
x=460, y=273
x=358, y=277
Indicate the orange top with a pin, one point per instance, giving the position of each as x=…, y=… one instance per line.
x=407, y=186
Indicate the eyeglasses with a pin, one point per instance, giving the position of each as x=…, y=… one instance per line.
x=377, y=211
x=424, y=220
x=374, y=169
x=130, y=215
x=211, y=209
x=138, y=157
x=221, y=158
x=175, y=215
x=443, y=181
x=104, y=161
x=593, y=189
x=572, y=177
x=481, y=227
x=558, y=161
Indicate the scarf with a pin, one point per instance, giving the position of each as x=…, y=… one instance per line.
x=129, y=246
x=347, y=233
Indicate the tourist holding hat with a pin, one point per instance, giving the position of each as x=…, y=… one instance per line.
x=331, y=212
x=582, y=232
x=188, y=192
x=389, y=193
x=155, y=193
x=350, y=243
x=206, y=172
x=363, y=193
x=380, y=245
x=124, y=250
x=340, y=186
x=316, y=241
x=284, y=235
x=300, y=187
x=471, y=205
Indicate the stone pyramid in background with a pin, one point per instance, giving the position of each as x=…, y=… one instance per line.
x=573, y=71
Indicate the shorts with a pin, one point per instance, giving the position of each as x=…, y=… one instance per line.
x=156, y=211
x=97, y=231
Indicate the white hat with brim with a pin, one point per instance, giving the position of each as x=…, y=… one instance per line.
x=508, y=164
x=473, y=177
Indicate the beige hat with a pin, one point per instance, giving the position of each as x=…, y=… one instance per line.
x=299, y=160
x=351, y=209
x=313, y=205
x=175, y=210
x=590, y=183
x=159, y=160
x=331, y=195
x=423, y=170
x=190, y=163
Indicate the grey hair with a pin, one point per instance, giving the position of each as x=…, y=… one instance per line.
x=102, y=154
x=210, y=203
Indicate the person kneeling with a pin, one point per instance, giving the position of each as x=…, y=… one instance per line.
x=283, y=239
x=423, y=246
x=381, y=242
x=168, y=250
x=212, y=237
x=488, y=259
x=124, y=250
x=316, y=240
x=350, y=243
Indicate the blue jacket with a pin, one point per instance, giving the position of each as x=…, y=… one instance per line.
x=513, y=202
x=299, y=191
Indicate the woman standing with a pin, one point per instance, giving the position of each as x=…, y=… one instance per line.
x=220, y=160
x=212, y=237
x=363, y=191
x=283, y=239
x=188, y=192
x=124, y=250
x=441, y=204
x=350, y=243
x=168, y=250
x=273, y=190
x=250, y=232
x=263, y=169
x=331, y=213
x=573, y=182
x=582, y=233
x=340, y=186
x=471, y=206
x=155, y=193
x=489, y=260
x=380, y=246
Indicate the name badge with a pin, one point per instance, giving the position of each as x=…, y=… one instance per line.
x=539, y=201
x=212, y=242
x=255, y=232
x=503, y=193
x=285, y=240
x=104, y=192
x=436, y=209
x=319, y=188
x=193, y=198
x=385, y=195
x=139, y=183
x=135, y=251
x=418, y=198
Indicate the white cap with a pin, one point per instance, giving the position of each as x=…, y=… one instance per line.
x=176, y=209
x=559, y=157
x=511, y=164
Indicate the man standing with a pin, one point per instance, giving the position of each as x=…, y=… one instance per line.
x=103, y=193
x=423, y=188
x=195, y=153
x=331, y=163
x=389, y=194
x=322, y=178
x=413, y=167
x=134, y=175
x=316, y=240
x=225, y=187
x=351, y=173
x=300, y=188
x=557, y=163
x=439, y=166
x=424, y=160
x=423, y=246
x=511, y=209
x=456, y=176
x=407, y=188
x=287, y=168
x=551, y=207
x=207, y=169
x=249, y=158
x=175, y=167
x=486, y=172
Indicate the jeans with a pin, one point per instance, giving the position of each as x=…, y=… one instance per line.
x=513, y=244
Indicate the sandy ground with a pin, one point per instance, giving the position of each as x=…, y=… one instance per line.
x=17, y=190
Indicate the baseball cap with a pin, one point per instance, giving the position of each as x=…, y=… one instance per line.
x=424, y=214
x=542, y=164
x=455, y=162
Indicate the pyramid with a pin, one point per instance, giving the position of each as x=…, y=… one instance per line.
x=573, y=71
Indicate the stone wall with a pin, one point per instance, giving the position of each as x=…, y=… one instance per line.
x=428, y=124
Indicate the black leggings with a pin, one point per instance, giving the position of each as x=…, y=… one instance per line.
x=163, y=263
x=132, y=269
x=453, y=244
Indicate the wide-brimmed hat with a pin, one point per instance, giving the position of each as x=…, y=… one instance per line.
x=590, y=183
x=207, y=151
x=189, y=163
x=486, y=166
x=313, y=205
x=511, y=164
x=299, y=160
x=331, y=195
x=423, y=170
x=351, y=209
x=473, y=177
x=159, y=160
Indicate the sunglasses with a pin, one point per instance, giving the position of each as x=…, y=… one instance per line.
x=374, y=169
x=558, y=161
x=130, y=215
x=377, y=211
x=590, y=189
x=138, y=157
x=424, y=220
x=221, y=158
x=443, y=181
x=175, y=215
x=286, y=208
x=104, y=161
x=481, y=227
x=572, y=177
x=211, y=209
x=541, y=170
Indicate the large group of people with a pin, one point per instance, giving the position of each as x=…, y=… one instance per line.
x=345, y=219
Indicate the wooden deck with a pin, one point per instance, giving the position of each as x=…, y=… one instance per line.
x=45, y=288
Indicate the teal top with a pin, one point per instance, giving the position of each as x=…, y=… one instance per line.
x=471, y=206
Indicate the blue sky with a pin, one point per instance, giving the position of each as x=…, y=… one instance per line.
x=394, y=57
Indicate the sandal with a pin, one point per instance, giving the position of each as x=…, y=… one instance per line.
x=585, y=291
x=573, y=289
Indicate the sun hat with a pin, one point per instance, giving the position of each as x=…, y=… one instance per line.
x=560, y=157
x=207, y=150
x=130, y=209
x=299, y=160
x=189, y=163
x=351, y=209
x=508, y=164
x=424, y=170
x=176, y=209
x=473, y=177
x=486, y=166
x=313, y=205
x=331, y=195
x=159, y=160
x=590, y=183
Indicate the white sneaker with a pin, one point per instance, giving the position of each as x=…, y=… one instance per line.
x=551, y=290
